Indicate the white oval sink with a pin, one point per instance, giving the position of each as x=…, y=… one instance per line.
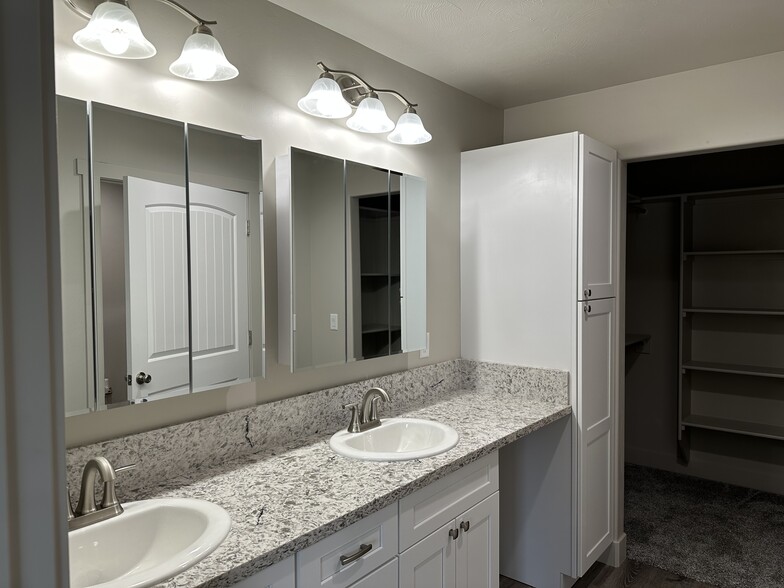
x=396, y=440
x=151, y=541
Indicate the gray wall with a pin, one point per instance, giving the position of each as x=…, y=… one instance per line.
x=723, y=105
x=652, y=289
x=276, y=52
x=113, y=289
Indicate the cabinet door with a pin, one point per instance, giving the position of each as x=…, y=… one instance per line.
x=279, y=575
x=596, y=227
x=477, y=546
x=437, y=504
x=383, y=577
x=431, y=562
x=595, y=385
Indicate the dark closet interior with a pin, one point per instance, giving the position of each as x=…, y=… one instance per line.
x=705, y=316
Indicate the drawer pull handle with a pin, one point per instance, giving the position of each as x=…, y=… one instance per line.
x=351, y=558
x=465, y=525
x=454, y=533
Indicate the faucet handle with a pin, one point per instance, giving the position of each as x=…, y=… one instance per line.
x=374, y=409
x=353, y=426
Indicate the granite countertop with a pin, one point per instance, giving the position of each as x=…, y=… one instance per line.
x=283, y=500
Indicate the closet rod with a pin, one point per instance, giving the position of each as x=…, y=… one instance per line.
x=755, y=191
x=630, y=199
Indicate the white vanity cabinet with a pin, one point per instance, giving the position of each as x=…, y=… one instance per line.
x=443, y=535
x=449, y=530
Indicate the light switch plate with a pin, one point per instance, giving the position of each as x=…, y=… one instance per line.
x=333, y=322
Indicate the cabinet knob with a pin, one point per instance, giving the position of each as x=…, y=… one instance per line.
x=464, y=525
x=454, y=533
x=587, y=309
x=587, y=293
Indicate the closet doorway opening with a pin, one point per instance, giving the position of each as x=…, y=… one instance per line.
x=704, y=364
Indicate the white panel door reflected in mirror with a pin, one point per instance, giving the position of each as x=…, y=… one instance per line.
x=219, y=281
x=157, y=285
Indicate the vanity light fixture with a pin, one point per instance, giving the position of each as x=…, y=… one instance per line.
x=113, y=31
x=325, y=99
x=336, y=92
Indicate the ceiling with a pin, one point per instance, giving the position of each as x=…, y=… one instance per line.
x=513, y=52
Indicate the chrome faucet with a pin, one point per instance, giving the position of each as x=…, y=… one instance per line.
x=86, y=512
x=364, y=415
x=370, y=407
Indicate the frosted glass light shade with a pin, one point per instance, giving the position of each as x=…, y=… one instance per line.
x=202, y=59
x=409, y=130
x=114, y=31
x=325, y=100
x=370, y=117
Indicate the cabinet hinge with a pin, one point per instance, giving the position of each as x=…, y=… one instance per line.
x=247, y=227
x=250, y=338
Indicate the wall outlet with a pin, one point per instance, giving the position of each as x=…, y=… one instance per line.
x=423, y=353
x=333, y=322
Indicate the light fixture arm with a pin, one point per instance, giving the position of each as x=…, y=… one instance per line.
x=370, y=89
x=170, y=3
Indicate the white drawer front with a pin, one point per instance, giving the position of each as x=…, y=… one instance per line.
x=435, y=505
x=383, y=577
x=279, y=575
x=319, y=564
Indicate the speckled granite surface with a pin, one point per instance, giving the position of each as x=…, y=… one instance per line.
x=169, y=452
x=272, y=469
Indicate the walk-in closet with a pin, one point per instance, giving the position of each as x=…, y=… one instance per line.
x=704, y=383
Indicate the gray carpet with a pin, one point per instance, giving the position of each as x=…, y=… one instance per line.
x=714, y=533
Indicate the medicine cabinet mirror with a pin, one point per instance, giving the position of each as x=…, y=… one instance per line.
x=351, y=261
x=161, y=256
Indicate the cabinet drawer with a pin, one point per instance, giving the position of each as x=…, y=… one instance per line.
x=435, y=505
x=319, y=564
x=279, y=575
x=383, y=577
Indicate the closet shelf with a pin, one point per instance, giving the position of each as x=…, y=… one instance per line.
x=734, y=426
x=753, y=311
x=735, y=252
x=379, y=328
x=734, y=368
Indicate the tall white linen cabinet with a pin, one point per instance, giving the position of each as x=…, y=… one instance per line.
x=538, y=260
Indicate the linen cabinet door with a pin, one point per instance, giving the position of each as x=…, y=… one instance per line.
x=477, y=546
x=595, y=390
x=431, y=562
x=597, y=210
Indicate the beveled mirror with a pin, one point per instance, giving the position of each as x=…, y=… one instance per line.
x=351, y=261
x=161, y=251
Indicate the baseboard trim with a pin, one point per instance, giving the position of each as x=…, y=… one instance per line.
x=743, y=473
x=615, y=554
